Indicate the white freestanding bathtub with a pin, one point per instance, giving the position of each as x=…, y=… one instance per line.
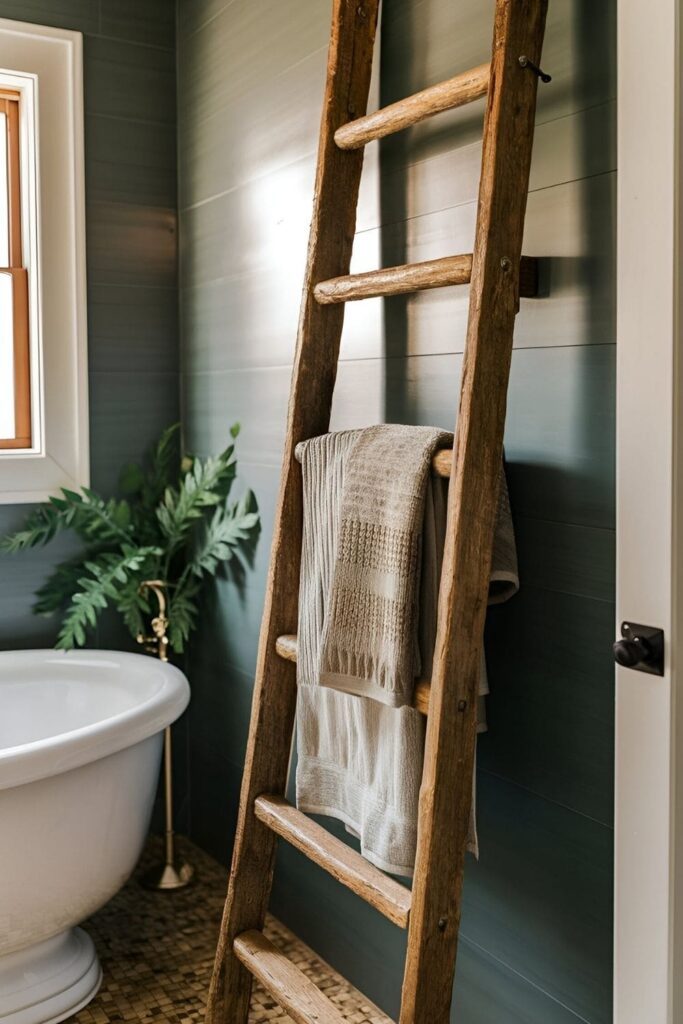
x=80, y=743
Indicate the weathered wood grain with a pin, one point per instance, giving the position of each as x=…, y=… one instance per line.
x=445, y=801
x=421, y=696
x=288, y=986
x=413, y=277
x=313, y=376
x=339, y=860
x=442, y=462
x=494, y=273
x=286, y=647
x=454, y=92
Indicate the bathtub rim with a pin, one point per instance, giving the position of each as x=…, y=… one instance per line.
x=54, y=755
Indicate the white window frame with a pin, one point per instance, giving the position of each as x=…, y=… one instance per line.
x=45, y=66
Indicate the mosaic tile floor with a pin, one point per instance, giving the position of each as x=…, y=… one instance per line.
x=157, y=951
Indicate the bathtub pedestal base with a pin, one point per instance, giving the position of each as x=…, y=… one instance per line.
x=50, y=981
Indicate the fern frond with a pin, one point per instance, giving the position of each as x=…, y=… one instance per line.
x=203, y=486
x=164, y=467
x=225, y=532
x=132, y=480
x=132, y=606
x=96, y=519
x=44, y=523
x=88, y=515
x=107, y=578
x=182, y=613
x=60, y=586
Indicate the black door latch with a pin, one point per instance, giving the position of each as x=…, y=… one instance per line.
x=641, y=648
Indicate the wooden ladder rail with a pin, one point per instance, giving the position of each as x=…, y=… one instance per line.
x=434, y=915
x=315, y=367
x=445, y=793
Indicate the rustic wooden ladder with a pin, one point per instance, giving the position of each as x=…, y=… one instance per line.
x=497, y=276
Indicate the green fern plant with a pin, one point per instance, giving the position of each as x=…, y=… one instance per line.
x=174, y=521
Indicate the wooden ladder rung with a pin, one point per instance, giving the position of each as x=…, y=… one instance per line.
x=441, y=464
x=413, y=277
x=295, y=993
x=455, y=92
x=286, y=647
x=351, y=869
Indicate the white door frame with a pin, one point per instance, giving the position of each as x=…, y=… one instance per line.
x=648, y=982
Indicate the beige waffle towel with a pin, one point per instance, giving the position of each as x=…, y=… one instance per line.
x=374, y=527
x=370, y=640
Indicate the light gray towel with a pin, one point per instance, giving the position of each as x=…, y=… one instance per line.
x=360, y=759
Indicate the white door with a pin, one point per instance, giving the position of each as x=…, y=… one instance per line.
x=649, y=718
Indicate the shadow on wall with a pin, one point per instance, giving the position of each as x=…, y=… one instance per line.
x=546, y=766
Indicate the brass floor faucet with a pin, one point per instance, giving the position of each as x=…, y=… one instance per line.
x=172, y=874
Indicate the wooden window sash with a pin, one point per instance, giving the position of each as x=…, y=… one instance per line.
x=22, y=361
x=9, y=105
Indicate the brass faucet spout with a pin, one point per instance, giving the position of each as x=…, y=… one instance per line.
x=158, y=642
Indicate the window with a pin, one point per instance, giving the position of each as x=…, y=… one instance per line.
x=15, y=383
x=43, y=325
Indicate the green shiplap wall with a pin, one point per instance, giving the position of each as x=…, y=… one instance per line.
x=536, y=931
x=130, y=163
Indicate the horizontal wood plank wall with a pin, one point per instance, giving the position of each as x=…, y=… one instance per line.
x=130, y=164
x=537, y=917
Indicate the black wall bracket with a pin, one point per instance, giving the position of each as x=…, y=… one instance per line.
x=641, y=648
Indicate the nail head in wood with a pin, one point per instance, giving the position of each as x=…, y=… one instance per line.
x=524, y=62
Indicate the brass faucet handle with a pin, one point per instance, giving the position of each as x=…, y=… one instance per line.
x=154, y=645
x=159, y=626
